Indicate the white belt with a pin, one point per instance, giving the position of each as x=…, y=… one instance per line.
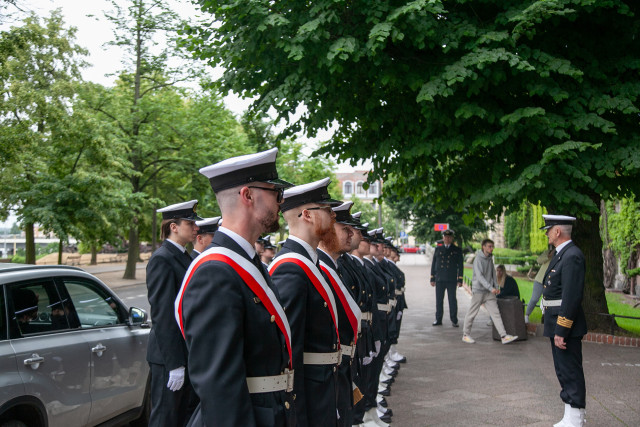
x=393, y=302
x=321, y=358
x=551, y=303
x=348, y=350
x=367, y=316
x=384, y=307
x=273, y=383
x=399, y=292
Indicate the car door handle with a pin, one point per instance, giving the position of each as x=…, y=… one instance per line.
x=98, y=349
x=34, y=361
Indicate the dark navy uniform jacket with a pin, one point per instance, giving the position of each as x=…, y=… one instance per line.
x=312, y=331
x=564, y=279
x=230, y=336
x=447, y=264
x=165, y=271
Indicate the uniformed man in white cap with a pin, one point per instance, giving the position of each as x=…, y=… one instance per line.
x=235, y=328
x=309, y=302
x=206, y=229
x=564, y=320
x=447, y=269
x=268, y=252
x=330, y=248
x=172, y=397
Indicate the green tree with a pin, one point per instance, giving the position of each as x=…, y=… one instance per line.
x=38, y=77
x=483, y=102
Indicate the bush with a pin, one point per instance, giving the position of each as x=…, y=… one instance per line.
x=18, y=259
x=524, y=269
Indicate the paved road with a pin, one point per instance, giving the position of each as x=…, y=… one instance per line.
x=449, y=383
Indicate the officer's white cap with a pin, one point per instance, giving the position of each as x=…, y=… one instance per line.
x=184, y=210
x=313, y=192
x=551, y=220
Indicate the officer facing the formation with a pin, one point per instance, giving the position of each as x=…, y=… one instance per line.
x=564, y=321
x=330, y=248
x=172, y=397
x=309, y=302
x=206, y=229
x=235, y=328
x=446, y=275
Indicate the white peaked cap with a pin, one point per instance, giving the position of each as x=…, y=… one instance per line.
x=208, y=221
x=343, y=207
x=257, y=167
x=184, y=210
x=179, y=206
x=357, y=216
x=313, y=192
x=551, y=220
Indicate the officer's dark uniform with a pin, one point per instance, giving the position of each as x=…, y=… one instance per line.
x=345, y=376
x=564, y=280
x=312, y=331
x=232, y=336
x=446, y=270
x=166, y=349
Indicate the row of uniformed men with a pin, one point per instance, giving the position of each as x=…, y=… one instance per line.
x=308, y=340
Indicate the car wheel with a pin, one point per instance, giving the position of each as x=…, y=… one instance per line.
x=13, y=423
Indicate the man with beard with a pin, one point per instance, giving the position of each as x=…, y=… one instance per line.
x=309, y=302
x=229, y=312
x=349, y=314
x=352, y=265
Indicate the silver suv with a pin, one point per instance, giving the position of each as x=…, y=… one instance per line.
x=71, y=353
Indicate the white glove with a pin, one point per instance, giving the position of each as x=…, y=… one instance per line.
x=399, y=316
x=176, y=379
x=367, y=360
x=377, y=343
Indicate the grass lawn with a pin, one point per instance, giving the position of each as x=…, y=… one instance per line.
x=617, y=303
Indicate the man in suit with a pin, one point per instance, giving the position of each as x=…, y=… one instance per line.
x=206, y=229
x=564, y=320
x=343, y=285
x=309, y=302
x=268, y=252
x=446, y=275
x=172, y=398
x=228, y=310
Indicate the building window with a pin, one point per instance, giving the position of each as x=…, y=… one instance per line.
x=373, y=189
x=359, y=189
x=348, y=187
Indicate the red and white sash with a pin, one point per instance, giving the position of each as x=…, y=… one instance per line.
x=251, y=276
x=313, y=273
x=348, y=303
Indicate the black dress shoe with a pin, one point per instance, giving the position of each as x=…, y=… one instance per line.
x=383, y=403
x=403, y=360
x=455, y=325
x=388, y=412
x=385, y=392
x=389, y=381
x=436, y=323
x=386, y=418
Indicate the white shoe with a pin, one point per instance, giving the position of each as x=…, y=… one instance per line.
x=468, y=339
x=509, y=338
x=490, y=322
x=565, y=418
x=371, y=418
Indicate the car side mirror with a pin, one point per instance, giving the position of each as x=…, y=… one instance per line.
x=138, y=316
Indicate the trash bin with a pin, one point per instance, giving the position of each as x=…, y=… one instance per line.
x=512, y=314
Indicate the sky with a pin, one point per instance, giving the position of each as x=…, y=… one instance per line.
x=93, y=32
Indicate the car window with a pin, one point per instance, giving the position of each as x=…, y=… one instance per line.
x=93, y=305
x=35, y=307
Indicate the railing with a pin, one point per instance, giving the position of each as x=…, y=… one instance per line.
x=613, y=316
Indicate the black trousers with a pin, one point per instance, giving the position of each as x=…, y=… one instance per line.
x=568, y=364
x=170, y=408
x=451, y=288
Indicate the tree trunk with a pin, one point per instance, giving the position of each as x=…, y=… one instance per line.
x=132, y=254
x=60, y=252
x=154, y=227
x=30, y=244
x=610, y=265
x=587, y=237
x=94, y=254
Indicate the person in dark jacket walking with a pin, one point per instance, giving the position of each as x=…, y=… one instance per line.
x=172, y=397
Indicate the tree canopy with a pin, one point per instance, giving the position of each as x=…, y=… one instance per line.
x=470, y=105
